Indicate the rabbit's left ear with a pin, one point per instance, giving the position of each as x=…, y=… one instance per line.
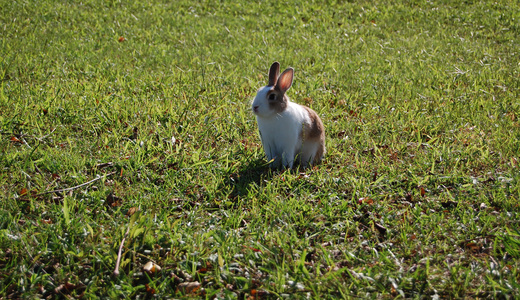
x=285, y=80
x=274, y=72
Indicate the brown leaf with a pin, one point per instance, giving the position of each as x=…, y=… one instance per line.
x=474, y=248
x=189, y=287
x=374, y=177
x=423, y=192
x=342, y=134
x=149, y=290
x=67, y=288
x=393, y=291
x=121, y=39
x=254, y=249
x=366, y=201
x=15, y=140
x=259, y=294
x=151, y=268
x=131, y=211
x=113, y=201
x=471, y=245
x=23, y=192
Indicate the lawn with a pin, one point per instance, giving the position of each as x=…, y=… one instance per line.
x=127, y=125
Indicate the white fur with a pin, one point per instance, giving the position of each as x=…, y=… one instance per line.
x=281, y=132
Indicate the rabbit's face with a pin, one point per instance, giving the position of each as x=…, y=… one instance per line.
x=268, y=101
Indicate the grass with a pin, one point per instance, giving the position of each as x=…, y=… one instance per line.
x=417, y=197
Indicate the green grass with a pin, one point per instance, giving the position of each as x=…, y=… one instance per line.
x=418, y=195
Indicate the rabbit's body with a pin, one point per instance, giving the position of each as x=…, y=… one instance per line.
x=290, y=132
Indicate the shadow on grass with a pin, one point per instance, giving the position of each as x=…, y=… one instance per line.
x=238, y=184
x=252, y=177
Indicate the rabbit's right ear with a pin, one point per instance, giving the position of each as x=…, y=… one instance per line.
x=274, y=72
x=285, y=80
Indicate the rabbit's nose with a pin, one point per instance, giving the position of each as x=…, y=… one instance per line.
x=255, y=108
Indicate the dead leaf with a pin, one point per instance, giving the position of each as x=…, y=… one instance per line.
x=308, y=101
x=67, y=288
x=121, y=39
x=342, y=134
x=149, y=290
x=473, y=247
x=151, y=268
x=374, y=177
x=258, y=294
x=113, y=200
x=393, y=291
x=15, y=140
x=254, y=249
x=423, y=192
x=366, y=201
x=189, y=287
x=131, y=211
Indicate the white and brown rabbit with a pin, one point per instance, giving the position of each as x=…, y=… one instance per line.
x=290, y=133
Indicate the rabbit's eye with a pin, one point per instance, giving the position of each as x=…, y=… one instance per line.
x=271, y=97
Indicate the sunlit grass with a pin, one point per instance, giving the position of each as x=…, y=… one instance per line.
x=417, y=196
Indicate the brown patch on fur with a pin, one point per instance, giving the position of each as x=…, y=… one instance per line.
x=319, y=153
x=279, y=103
x=315, y=131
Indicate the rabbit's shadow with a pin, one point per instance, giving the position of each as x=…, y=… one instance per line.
x=238, y=183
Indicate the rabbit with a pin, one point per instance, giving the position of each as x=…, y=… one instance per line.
x=290, y=133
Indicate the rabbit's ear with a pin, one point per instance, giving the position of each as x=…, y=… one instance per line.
x=285, y=80
x=274, y=72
